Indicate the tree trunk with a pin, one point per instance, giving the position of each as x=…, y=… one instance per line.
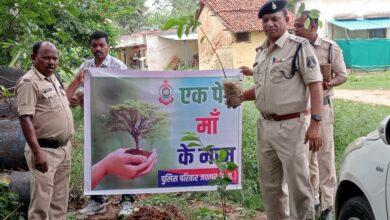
x=136, y=139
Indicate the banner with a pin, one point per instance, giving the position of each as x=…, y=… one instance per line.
x=127, y=113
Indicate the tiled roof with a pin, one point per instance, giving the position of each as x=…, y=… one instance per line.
x=239, y=15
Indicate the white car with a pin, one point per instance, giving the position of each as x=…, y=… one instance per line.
x=363, y=191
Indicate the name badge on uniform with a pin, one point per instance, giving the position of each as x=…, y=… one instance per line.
x=47, y=90
x=276, y=60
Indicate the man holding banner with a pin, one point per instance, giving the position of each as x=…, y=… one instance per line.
x=99, y=45
x=286, y=75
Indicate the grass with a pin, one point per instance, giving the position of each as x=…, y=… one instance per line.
x=77, y=169
x=352, y=120
x=367, y=81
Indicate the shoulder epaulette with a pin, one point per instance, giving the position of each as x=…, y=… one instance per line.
x=298, y=39
x=27, y=76
x=328, y=41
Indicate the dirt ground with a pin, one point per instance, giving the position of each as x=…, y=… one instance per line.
x=147, y=212
x=379, y=97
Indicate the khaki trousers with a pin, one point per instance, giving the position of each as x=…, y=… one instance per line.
x=322, y=163
x=50, y=191
x=284, y=169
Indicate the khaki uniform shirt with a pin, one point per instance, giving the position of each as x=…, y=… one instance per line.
x=44, y=99
x=322, y=47
x=277, y=91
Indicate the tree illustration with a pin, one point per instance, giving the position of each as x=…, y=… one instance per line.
x=140, y=120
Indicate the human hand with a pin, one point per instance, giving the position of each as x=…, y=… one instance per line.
x=80, y=76
x=233, y=101
x=80, y=98
x=232, y=92
x=122, y=164
x=246, y=71
x=74, y=102
x=40, y=161
x=327, y=85
x=314, y=136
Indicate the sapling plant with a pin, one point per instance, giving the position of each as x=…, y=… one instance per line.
x=140, y=120
x=219, y=159
x=313, y=14
x=232, y=87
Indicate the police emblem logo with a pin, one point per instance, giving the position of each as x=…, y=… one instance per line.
x=311, y=62
x=166, y=93
x=274, y=6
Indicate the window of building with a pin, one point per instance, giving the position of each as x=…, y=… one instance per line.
x=377, y=33
x=242, y=37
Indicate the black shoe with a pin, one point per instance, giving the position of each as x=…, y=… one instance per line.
x=327, y=214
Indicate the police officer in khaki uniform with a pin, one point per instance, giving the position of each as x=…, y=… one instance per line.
x=47, y=124
x=322, y=163
x=288, y=94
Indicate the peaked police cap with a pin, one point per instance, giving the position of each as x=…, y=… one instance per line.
x=271, y=7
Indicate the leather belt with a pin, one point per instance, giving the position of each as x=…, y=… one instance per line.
x=327, y=100
x=50, y=143
x=276, y=117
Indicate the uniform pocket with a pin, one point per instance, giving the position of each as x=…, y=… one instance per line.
x=280, y=72
x=52, y=99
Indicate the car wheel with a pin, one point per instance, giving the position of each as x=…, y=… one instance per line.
x=356, y=208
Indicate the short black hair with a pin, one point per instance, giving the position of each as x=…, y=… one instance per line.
x=36, y=47
x=97, y=35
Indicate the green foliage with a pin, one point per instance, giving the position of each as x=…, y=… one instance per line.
x=6, y=96
x=185, y=23
x=353, y=120
x=9, y=201
x=207, y=214
x=160, y=200
x=132, y=18
x=314, y=14
x=222, y=180
x=169, y=9
x=77, y=168
x=66, y=23
x=4, y=93
x=374, y=80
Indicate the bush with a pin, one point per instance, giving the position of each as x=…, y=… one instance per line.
x=9, y=201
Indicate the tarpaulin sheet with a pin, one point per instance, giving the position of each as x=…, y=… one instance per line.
x=371, y=54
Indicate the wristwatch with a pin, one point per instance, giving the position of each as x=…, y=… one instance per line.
x=316, y=117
